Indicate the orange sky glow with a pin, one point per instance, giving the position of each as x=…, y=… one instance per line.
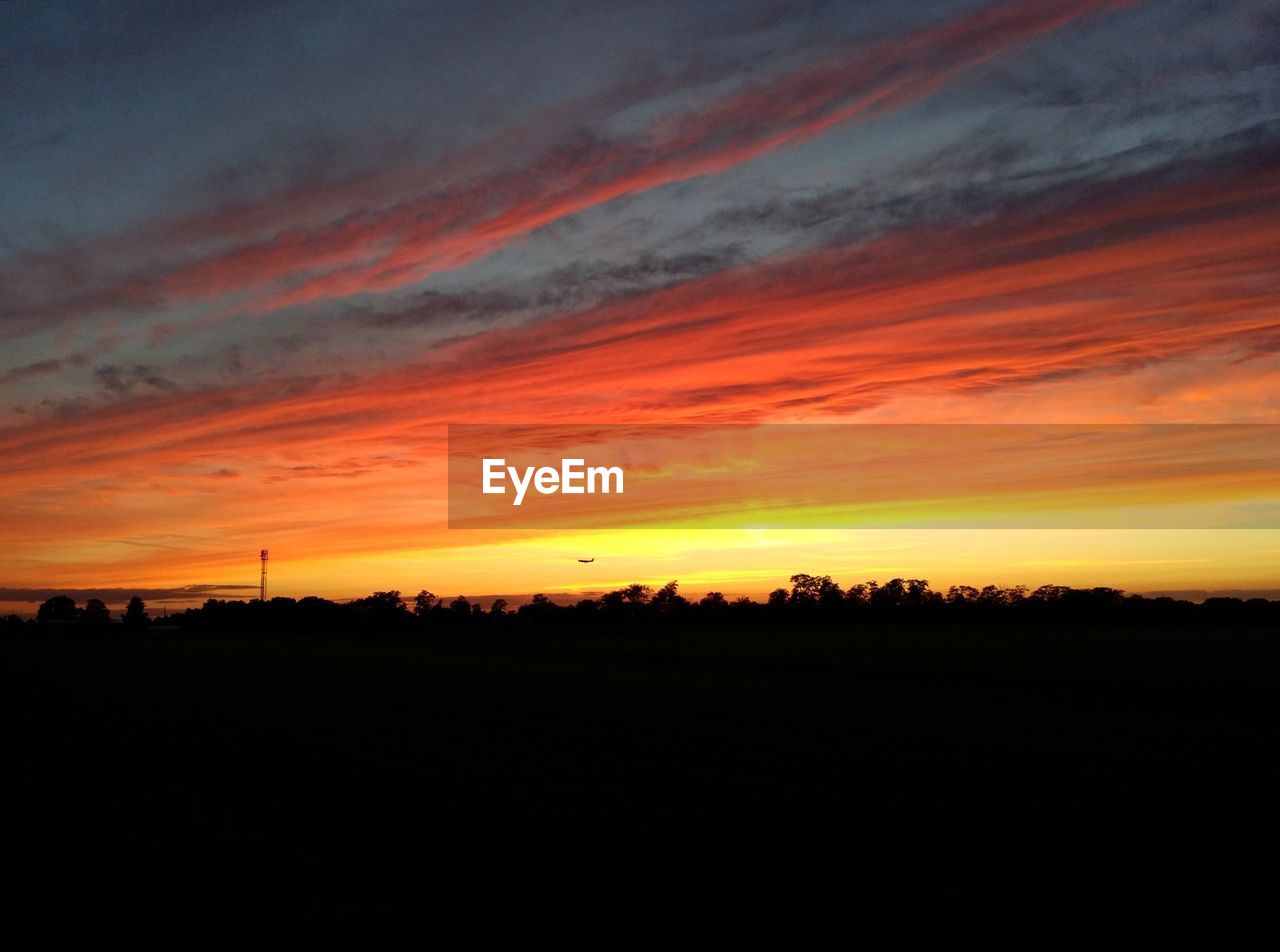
x=279, y=368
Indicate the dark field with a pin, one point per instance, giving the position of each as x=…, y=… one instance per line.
x=343, y=747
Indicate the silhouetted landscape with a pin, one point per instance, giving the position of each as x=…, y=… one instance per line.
x=313, y=729
x=414, y=299
x=811, y=600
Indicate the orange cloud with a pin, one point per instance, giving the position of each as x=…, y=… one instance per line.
x=1141, y=276
x=371, y=251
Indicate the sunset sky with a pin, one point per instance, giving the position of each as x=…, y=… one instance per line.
x=255, y=257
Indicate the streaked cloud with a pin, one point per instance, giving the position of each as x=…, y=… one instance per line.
x=978, y=211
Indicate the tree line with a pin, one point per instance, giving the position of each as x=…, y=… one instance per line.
x=810, y=599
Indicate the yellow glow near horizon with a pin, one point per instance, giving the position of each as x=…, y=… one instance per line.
x=753, y=561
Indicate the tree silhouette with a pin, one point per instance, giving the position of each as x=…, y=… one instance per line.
x=813, y=601
x=668, y=598
x=856, y=596
x=423, y=602
x=135, y=614
x=810, y=589
x=637, y=594
x=382, y=607
x=57, y=608
x=539, y=609
x=95, y=612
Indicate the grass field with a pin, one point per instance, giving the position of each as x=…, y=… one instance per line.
x=340, y=744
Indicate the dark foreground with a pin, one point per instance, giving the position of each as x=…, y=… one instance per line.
x=299, y=750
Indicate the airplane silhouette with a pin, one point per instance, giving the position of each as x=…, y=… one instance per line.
x=592, y=559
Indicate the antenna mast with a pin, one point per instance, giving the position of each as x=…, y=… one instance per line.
x=262, y=595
